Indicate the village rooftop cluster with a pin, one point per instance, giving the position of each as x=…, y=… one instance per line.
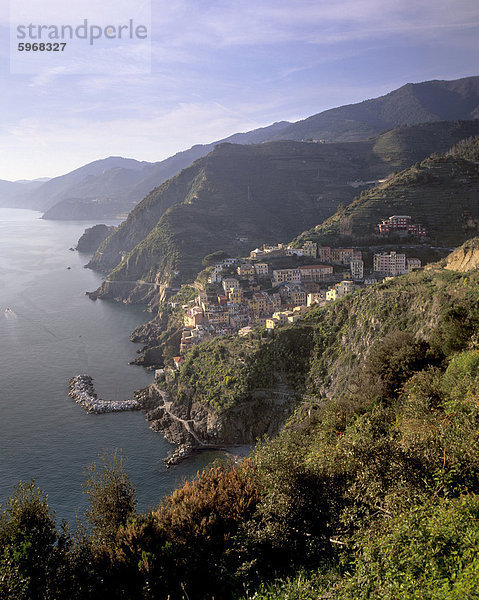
x=243, y=293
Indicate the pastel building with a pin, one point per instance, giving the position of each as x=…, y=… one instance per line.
x=389, y=264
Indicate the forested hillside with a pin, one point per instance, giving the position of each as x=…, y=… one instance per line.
x=370, y=491
x=239, y=197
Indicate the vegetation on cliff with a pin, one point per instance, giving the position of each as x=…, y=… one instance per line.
x=370, y=491
x=322, y=354
x=264, y=193
x=440, y=192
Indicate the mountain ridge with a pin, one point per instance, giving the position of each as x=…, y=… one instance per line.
x=261, y=192
x=409, y=104
x=440, y=192
x=412, y=103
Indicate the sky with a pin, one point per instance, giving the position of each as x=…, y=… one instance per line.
x=217, y=67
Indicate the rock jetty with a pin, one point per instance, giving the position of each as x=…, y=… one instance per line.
x=178, y=455
x=82, y=390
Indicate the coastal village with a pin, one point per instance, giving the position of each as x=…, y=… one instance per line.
x=255, y=291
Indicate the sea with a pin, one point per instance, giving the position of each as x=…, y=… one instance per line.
x=49, y=332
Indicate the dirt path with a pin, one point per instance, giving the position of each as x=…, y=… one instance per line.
x=167, y=406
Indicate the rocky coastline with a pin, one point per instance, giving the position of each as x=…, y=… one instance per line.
x=193, y=426
x=93, y=237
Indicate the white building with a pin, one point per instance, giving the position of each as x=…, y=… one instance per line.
x=286, y=276
x=412, y=264
x=357, y=269
x=216, y=274
x=230, y=283
x=310, y=249
x=294, y=251
x=315, y=298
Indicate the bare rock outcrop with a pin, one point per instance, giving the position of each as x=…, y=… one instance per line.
x=465, y=258
x=184, y=421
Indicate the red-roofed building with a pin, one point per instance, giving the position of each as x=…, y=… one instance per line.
x=402, y=223
x=178, y=361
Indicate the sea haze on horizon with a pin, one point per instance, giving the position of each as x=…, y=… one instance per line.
x=51, y=332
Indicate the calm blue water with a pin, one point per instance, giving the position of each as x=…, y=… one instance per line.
x=53, y=333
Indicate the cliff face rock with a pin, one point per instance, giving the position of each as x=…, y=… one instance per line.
x=131, y=292
x=183, y=421
x=147, y=332
x=465, y=258
x=93, y=237
x=151, y=356
x=243, y=424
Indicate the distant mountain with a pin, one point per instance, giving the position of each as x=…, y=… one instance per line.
x=38, y=180
x=261, y=193
x=113, y=186
x=105, y=195
x=93, y=192
x=92, y=180
x=411, y=104
x=9, y=190
x=441, y=193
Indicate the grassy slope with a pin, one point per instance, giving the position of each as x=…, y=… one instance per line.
x=440, y=192
x=321, y=354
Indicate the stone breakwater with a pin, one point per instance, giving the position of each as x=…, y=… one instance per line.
x=82, y=390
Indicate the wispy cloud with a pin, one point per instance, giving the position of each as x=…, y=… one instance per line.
x=220, y=66
x=313, y=21
x=163, y=134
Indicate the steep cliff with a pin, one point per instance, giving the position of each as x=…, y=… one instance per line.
x=185, y=420
x=440, y=193
x=227, y=387
x=465, y=258
x=242, y=196
x=93, y=237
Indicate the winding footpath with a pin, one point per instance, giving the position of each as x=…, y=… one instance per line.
x=167, y=407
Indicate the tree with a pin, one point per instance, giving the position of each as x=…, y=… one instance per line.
x=29, y=554
x=214, y=257
x=111, y=495
x=391, y=362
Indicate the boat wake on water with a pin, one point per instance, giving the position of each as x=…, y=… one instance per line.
x=11, y=315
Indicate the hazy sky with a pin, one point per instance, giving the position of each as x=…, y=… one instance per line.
x=222, y=66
